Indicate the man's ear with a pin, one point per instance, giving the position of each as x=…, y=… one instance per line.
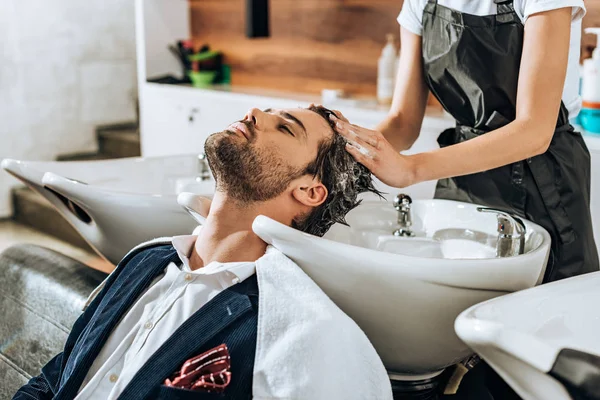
x=312, y=193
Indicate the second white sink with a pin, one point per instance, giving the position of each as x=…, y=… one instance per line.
x=117, y=204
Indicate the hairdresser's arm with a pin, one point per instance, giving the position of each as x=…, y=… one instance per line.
x=402, y=125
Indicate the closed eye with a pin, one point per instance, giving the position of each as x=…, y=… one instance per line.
x=286, y=129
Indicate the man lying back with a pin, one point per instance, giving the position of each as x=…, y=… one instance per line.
x=221, y=314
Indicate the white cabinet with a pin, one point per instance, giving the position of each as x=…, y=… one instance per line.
x=593, y=143
x=178, y=119
x=595, y=197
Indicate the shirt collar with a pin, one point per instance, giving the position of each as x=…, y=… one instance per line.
x=185, y=244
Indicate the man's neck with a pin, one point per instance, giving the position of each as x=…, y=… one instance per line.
x=227, y=235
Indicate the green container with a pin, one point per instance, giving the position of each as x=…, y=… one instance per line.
x=202, y=78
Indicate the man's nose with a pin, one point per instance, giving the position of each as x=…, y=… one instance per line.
x=255, y=116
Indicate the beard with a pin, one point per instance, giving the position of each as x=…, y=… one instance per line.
x=244, y=172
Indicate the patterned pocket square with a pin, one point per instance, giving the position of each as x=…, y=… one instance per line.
x=208, y=372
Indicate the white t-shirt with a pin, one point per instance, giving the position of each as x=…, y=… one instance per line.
x=411, y=18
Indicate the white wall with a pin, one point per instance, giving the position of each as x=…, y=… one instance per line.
x=65, y=66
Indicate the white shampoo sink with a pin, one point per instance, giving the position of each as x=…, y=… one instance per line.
x=405, y=293
x=117, y=204
x=543, y=341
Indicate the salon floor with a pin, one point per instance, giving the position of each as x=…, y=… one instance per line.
x=12, y=233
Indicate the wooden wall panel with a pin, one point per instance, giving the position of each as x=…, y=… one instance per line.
x=314, y=44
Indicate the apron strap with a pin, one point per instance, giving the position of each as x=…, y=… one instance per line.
x=504, y=6
x=430, y=7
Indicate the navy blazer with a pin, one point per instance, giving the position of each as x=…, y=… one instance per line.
x=231, y=318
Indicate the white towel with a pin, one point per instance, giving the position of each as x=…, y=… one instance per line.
x=307, y=348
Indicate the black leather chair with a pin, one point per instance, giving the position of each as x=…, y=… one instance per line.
x=41, y=295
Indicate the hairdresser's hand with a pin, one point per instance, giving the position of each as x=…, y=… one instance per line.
x=371, y=149
x=340, y=116
x=336, y=112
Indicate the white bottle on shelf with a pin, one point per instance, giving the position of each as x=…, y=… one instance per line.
x=590, y=88
x=386, y=72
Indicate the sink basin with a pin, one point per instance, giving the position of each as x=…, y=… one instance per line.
x=405, y=293
x=431, y=248
x=440, y=232
x=118, y=204
x=542, y=340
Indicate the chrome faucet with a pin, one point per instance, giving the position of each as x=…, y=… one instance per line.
x=402, y=204
x=511, y=233
x=204, y=171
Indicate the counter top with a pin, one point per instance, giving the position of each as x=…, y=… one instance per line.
x=591, y=139
x=363, y=109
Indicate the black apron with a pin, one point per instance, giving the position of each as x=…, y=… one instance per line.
x=471, y=65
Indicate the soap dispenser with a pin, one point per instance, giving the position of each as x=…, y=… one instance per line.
x=589, y=116
x=386, y=72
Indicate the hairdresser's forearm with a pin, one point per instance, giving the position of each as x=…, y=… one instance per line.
x=400, y=132
x=514, y=142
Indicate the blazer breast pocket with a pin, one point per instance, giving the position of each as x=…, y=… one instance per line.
x=173, y=393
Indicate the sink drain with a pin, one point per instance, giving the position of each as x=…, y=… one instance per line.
x=426, y=389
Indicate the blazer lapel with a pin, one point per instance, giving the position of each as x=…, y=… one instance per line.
x=188, y=340
x=120, y=297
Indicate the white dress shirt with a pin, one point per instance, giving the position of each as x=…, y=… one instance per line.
x=168, y=302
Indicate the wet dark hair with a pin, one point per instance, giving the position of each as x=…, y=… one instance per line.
x=343, y=176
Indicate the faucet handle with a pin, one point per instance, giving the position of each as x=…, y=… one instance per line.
x=402, y=201
x=204, y=168
x=508, y=224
